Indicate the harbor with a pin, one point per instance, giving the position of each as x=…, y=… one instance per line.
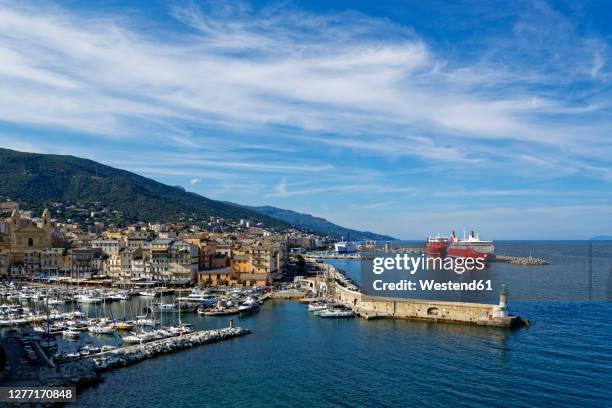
x=287, y=327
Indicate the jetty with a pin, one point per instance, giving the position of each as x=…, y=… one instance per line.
x=125, y=356
x=520, y=260
x=347, y=293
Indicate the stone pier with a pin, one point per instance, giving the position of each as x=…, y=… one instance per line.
x=372, y=307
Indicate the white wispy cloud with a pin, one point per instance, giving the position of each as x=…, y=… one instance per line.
x=346, y=74
x=302, y=104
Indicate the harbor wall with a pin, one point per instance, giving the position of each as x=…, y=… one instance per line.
x=371, y=307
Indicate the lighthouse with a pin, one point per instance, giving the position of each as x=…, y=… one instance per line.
x=502, y=309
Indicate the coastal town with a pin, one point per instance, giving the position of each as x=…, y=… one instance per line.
x=82, y=296
x=37, y=247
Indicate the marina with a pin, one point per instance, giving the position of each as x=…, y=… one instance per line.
x=70, y=342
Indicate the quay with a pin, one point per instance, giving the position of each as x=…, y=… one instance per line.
x=376, y=307
x=125, y=356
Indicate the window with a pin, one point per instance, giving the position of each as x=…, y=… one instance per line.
x=30, y=242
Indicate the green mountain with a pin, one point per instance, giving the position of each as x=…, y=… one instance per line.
x=309, y=222
x=37, y=180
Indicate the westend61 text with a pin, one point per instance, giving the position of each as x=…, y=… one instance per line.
x=407, y=285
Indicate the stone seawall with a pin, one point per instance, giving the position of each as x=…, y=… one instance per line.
x=133, y=354
x=371, y=307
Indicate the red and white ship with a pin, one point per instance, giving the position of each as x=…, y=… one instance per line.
x=470, y=247
x=436, y=246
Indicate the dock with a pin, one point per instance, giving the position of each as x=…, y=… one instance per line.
x=125, y=356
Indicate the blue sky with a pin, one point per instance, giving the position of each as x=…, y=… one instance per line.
x=405, y=118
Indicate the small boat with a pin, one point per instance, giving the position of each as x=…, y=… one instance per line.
x=124, y=326
x=249, y=306
x=143, y=321
x=164, y=307
x=219, y=311
x=71, y=334
x=319, y=306
x=89, y=349
x=337, y=313
x=101, y=329
x=148, y=293
x=88, y=299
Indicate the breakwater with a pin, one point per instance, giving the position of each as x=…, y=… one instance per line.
x=520, y=260
x=133, y=354
x=376, y=307
x=346, y=292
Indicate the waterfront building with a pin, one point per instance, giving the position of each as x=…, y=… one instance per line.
x=110, y=246
x=80, y=262
x=216, y=277
x=24, y=238
x=31, y=263
x=54, y=262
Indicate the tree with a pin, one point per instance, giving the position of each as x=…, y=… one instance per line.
x=301, y=265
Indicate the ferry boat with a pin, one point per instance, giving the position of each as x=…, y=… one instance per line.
x=436, y=246
x=470, y=247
